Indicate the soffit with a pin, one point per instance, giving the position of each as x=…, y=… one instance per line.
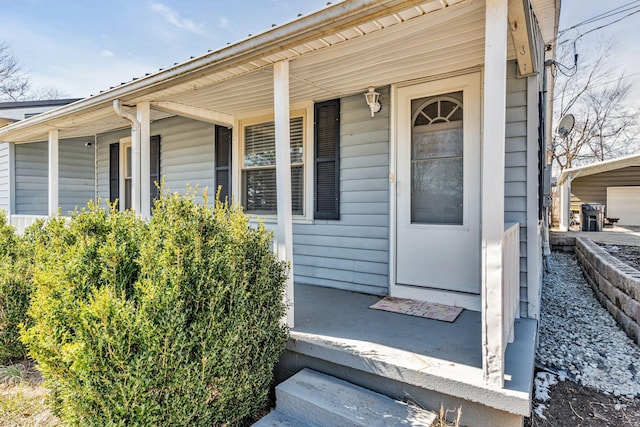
x=428, y=44
x=548, y=14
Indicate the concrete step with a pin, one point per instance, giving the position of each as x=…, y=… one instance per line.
x=321, y=400
x=278, y=419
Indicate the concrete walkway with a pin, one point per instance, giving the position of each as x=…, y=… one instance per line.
x=617, y=235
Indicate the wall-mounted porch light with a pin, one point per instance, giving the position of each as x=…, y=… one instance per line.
x=373, y=100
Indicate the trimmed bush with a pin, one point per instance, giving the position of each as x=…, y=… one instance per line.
x=174, y=322
x=15, y=288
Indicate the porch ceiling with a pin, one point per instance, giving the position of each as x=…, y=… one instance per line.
x=352, y=51
x=432, y=43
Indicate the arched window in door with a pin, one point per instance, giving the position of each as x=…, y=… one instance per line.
x=437, y=160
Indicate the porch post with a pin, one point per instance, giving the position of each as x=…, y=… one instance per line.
x=144, y=118
x=284, y=235
x=493, y=160
x=53, y=172
x=564, y=200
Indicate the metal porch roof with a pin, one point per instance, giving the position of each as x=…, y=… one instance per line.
x=237, y=79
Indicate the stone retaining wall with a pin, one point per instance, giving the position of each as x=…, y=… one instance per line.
x=615, y=284
x=562, y=242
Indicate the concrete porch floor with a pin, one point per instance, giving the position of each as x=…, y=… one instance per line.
x=338, y=329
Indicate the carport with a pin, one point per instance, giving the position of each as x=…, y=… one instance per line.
x=614, y=183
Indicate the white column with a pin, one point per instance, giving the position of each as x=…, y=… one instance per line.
x=12, y=179
x=565, y=204
x=284, y=235
x=135, y=168
x=144, y=118
x=53, y=172
x=534, y=266
x=493, y=164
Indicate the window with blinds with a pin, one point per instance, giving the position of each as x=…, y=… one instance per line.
x=259, y=189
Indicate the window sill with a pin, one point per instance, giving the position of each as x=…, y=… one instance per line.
x=273, y=219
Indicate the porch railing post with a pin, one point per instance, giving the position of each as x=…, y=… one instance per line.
x=284, y=234
x=493, y=159
x=53, y=173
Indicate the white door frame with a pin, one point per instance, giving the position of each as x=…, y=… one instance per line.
x=468, y=301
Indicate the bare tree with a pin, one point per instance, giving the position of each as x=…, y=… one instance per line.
x=13, y=83
x=45, y=93
x=595, y=92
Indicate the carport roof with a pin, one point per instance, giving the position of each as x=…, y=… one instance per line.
x=604, y=166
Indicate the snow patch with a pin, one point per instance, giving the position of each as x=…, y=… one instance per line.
x=539, y=411
x=543, y=381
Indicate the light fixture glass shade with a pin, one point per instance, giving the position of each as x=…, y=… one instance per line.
x=373, y=100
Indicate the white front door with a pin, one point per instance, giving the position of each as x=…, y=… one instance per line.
x=438, y=191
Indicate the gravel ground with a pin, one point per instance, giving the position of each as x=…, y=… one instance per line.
x=625, y=253
x=579, y=339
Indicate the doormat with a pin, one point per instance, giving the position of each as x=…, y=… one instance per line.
x=411, y=307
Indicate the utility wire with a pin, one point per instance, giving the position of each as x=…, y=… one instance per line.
x=603, y=15
x=629, y=9
x=607, y=24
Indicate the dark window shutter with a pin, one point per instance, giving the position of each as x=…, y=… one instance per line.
x=154, y=169
x=327, y=160
x=223, y=161
x=114, y=172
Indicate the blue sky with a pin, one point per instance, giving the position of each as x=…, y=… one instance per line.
x=623, y=36
x=82, y=47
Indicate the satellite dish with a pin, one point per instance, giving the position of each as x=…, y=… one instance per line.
x=565, y=125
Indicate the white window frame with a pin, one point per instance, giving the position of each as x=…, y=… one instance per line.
x=122, y=168
x=301, y=110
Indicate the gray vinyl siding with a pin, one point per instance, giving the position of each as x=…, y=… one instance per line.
x=5, y=183
x=186, y=155
x=77, y=173
x=593, y=188
x=353, y=253
x=76, y=176
x=32, y=178
x=515, y=191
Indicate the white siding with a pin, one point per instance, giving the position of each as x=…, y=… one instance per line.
x=31, y=178
x=5, y=183
x=76, y=176
x=77, y=173
x=353, y=253
x=186, y=155
x=515, y=202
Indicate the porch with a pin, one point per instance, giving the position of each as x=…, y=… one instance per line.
x=424, y=361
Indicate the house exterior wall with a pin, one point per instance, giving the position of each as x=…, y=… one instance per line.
x=352, y=253
x=593, y=188
x=76, y=176
x=515, y=191
x=31, y=178
x=186, y=150
x=76, y=172
x=5, y=174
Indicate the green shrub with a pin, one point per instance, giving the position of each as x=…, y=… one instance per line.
x=15, y=288
x=174, y=322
